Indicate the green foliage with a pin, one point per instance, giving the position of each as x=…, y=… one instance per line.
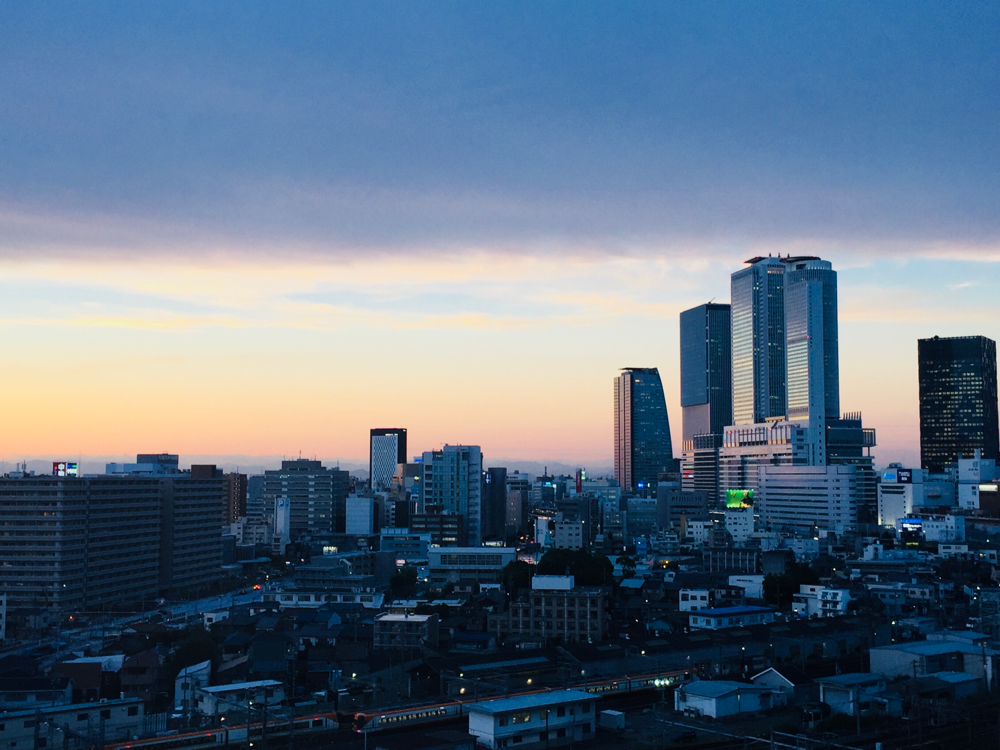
x=587, y=569
x=627, y=564
x=778, y=590
x=516, y=575
x=403, y=582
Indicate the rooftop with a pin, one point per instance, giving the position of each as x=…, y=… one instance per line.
x=727, y=611
x=403, y=618
x=955, y=677
x=241, y=686
x=852, y=679
x=532, y=700
x=717, y=688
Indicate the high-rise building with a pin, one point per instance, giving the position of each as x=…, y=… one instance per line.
x=236, y=497
x=643, y=448
x=451, y=483
x=958, y=400
x=388, y=450
x=706, y=393
x=758, y=336
x=317, y=497
x=494, y=503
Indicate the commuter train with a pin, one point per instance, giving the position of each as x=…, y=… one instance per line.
x=373, y=721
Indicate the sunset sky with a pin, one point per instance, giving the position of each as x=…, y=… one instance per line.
x=258, y=228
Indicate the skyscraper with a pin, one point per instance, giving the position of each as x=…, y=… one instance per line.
x=317, y=497
x=452, y=484
x=758, y=315
x=494, y=503
x=643, y=449
x=706, y=393
x=387, y=451
x=812, y=348
x=958, y=400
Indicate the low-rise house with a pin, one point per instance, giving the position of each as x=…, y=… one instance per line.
x=140, y=675
x=851, y=693
x=718, y=698
x=797, y=688
x=730, y=617
x=23, y=692
x=547, y=719
x=89, y=725
x=240, y=696
x=405, y=630
x=926, y=657
x=187, y=681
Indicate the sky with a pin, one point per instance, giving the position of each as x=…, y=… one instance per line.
x=257, y=229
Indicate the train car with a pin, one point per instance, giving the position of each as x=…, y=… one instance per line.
x=370, y=721
x=229, y=735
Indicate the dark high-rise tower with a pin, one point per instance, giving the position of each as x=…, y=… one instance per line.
x=958, y=400
x=388, y=450
x=706, y=393
x=643, y=449
x=706, y=369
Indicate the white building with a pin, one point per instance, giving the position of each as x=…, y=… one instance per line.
x=219, y=699
x=739, y=524
x=282, y=525
x=693, y=600
x=188, y=680
x=537, y=719
x=819, y=601
x=109, y=721
x=720, y=618
x=808, y=497
x=407, y=548
x=718, y=698
x=973, y=473
x=752, y=585
x=850, y=693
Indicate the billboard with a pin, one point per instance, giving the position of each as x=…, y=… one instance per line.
x=64, y=469
x=739, y=498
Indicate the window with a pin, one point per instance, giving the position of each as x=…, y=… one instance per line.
x=561, y=733
x=561, y=711
x=520, y=718
x=133, y=710
x=585, y=708
x=502, y=721
x=106, y=713
x=81, y=717
x=29, y=723
x=586, y=728
x=516, y=739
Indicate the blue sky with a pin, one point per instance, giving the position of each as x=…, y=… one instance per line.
x=459, y=187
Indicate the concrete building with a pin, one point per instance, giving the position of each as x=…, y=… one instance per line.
x=719, y=698
x=851, y=693
x=401, y=631
x=570, y=535
x=79, y=726
x=218, y=700
x=808, y=497
x=187, y=682
x=481, y=564
x=451, y=483
x=559, y=717
x=406, y=547
x=739, y=523
x=556, y=608
x=444, y=529
x=926, y=657
x=317, y=497
x=361, y=515
x=819, y=601
x=694, y=600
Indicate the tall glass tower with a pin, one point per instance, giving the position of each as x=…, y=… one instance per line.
x=958, y=400
x=758, y=310
x=706, y=369
x=643, y=449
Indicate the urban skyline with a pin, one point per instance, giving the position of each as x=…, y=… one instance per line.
x=525, y=199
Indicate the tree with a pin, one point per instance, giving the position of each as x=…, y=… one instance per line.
x=403, y=582
x=516, y=575
x=628, y=565
x=778, y=590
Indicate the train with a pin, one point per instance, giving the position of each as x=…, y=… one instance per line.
x=377, y=720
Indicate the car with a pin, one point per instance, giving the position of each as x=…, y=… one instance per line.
x=688, y=735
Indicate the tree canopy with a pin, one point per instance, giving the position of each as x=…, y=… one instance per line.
x=586, y=569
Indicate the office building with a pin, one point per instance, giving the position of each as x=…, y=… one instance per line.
x=444, y=529
x=362, y=515
x=673, y=505
x=958, y=400
x=317, y=497
x=808, y=497
x=387, y=451
x=451, y=483
x=706, y=393
x=482, y=564
x=758, y=341
x=494, y=503
x=643, y=448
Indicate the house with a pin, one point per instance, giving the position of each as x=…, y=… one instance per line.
x=849, y=693
x=240, y=696
x=405, y=631
x=796, y=687
x=187, y=680
x=140, y=675
x=730, y=617
x=547, y=719
x=927, y=657
x=718, y=698
x=693, y=600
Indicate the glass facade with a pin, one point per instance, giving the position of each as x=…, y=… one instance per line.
x=812, y=335
x=958, y=400
x=706, y=362
x=643, y=448
x=758, y=341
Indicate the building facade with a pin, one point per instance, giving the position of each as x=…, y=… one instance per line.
x=958, y=400
x=317, y=497
x=452, y=483
x=643, y=447
x=387, y=451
